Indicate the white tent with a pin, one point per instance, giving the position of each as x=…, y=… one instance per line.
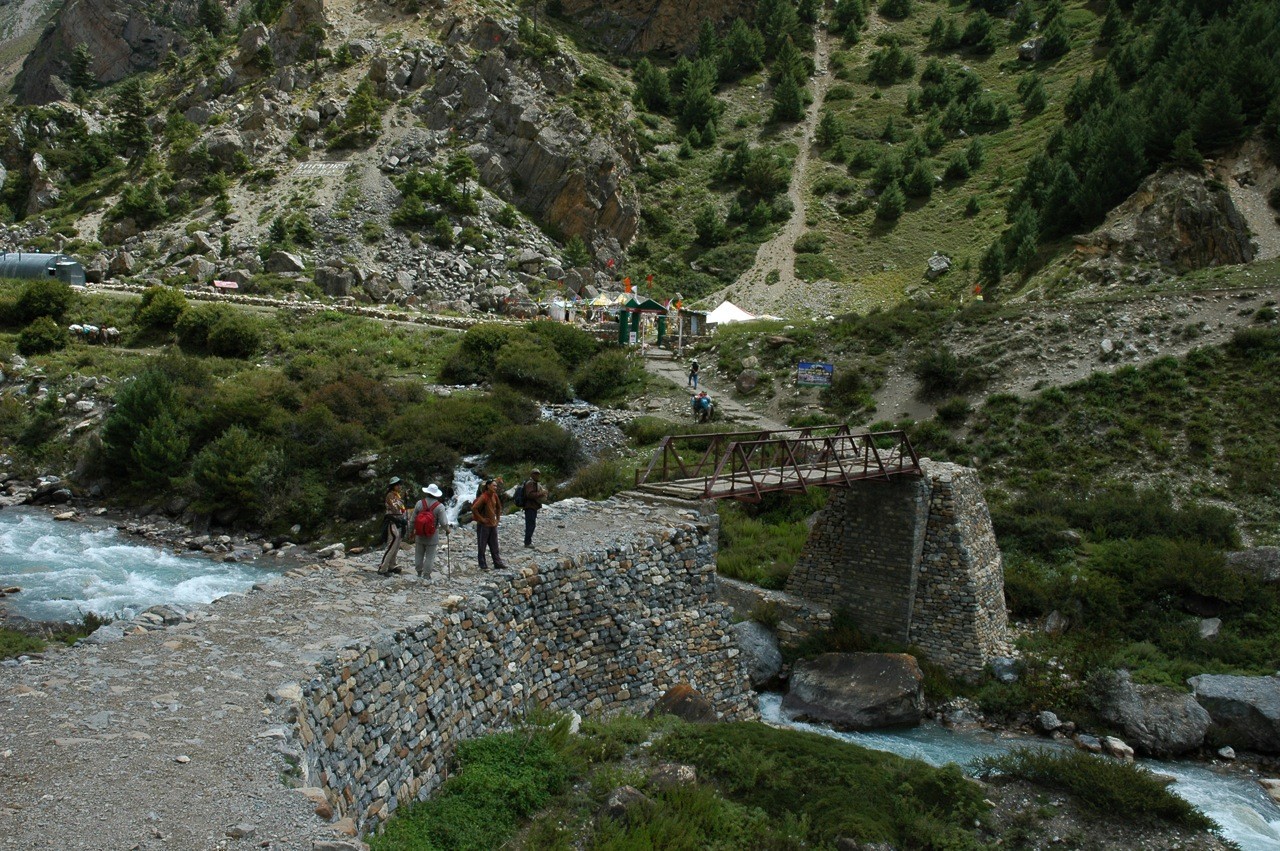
x=727, y=312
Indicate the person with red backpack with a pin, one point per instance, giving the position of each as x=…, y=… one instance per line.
x=429, y=521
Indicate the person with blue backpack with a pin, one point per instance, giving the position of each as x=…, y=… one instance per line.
x=428, y=519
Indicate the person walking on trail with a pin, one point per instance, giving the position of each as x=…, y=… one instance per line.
x=693, y=374
x=487, y=511
x=394, y=522
x=534, y=495
x=429, y=522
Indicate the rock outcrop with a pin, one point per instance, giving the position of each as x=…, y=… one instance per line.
x=1159, y=720
x=857, y=691
x=122, y=36
x=1245, y=710
x=645, y=26
x=760, y=652
x=1178, y=220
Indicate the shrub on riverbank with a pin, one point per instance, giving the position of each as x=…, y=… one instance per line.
x=1107, y=786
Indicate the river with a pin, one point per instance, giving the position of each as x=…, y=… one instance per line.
x=68, y=569
x=1241, y=808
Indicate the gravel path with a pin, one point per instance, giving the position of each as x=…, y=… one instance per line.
x=727, y=409
x=170, y=738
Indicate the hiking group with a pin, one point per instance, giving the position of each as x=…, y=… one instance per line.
x=428, y=518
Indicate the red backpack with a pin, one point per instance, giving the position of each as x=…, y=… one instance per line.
x=424, y=526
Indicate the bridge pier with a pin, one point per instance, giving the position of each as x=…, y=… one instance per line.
x=914, y=561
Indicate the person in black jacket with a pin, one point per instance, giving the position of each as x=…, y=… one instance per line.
x=534, y=495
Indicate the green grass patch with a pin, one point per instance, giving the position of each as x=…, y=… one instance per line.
x=1108, y=787
x=760, y=543
x=832, y=789
x=14, y=643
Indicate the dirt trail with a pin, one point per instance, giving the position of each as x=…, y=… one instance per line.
x=753, y=290
x=677, y=403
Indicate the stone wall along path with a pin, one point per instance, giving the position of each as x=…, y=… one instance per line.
x=179, y=737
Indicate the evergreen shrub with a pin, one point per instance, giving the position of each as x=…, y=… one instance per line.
x=42, y=297
x=42, y=336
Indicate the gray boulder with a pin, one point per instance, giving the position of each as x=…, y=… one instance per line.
x=284, y=262
x=760, y=651
x=857, y=691
x=1161, y=721
x=1260, y=562
x=1245, y=710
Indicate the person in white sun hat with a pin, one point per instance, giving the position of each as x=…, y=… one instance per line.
x=429, y=523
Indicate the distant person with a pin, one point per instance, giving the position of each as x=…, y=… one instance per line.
x=693, y=374
x=429, y=521
x=534, y=495
x=487, y=511
x=702, y=407
x=394, y=521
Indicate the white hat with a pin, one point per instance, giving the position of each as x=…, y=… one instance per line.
x=395, y=480
x=433, y=490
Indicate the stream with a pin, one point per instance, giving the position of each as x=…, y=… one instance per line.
x=69, y=569
x=1239, y=805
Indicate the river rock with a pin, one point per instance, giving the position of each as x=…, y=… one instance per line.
x=1117, y=748
x=857, y=691
x=687, y=703
x=1245, y=710
x=1160, y=720
x=760, y=651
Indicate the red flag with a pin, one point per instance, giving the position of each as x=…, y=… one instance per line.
x=649, y=278
x=977, y=290
x=626, y=285
x=609, y=264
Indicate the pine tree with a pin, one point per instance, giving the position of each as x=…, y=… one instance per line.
x=652, y=91
x=212, y=16
x=1112, y=30
x=708, y=40
x=788, y=101
x=1218, y=119
x=1184, y=153
x=829, y=129
x=461, y=170
x=80, y=73
x=892, y=204
x=158, y=451
x=132, y=109
x=919, y=183
x=364, y=112
x=1057, y=40
x=708, y=226
x=991, y=267
x=790, y=63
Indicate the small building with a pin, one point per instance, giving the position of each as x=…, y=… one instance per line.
x=26, y=265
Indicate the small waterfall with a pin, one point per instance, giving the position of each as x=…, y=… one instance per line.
x=466, y=484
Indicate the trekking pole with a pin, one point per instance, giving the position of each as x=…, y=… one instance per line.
x=448, y=554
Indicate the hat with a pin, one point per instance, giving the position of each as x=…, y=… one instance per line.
x=535, y=472
x=395, y=480
x=432, y=490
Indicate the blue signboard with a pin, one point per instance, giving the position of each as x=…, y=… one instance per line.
x=814, y=374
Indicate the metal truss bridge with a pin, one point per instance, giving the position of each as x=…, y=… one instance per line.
x=745, y=465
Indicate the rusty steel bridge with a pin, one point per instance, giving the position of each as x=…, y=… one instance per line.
x=745, y=465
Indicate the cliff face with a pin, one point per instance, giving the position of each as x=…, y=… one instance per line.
x=653, y=26
x=122, y=36
x=1178, y=220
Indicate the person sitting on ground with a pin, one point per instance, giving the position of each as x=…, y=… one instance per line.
x=702, y=406
x=424, y=545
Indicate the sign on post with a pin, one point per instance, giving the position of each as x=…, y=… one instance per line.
x=814, y=374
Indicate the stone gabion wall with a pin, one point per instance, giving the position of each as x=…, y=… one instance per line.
x=959, y=618
x=600, y=632
x=797, y=618
x=862, y=552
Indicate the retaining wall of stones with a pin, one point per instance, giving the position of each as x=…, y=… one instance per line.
x=598, y=632
x=914, y=561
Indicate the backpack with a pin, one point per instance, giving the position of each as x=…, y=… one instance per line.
x=424, y=526
x=518, y=496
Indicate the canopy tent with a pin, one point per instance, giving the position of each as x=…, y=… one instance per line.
x=727, y=312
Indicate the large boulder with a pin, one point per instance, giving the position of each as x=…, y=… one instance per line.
x=686, y=703
x=1245, y=710
x=760, y=651
x=1161, y=721
x=1260, y=562
x=857, y=691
